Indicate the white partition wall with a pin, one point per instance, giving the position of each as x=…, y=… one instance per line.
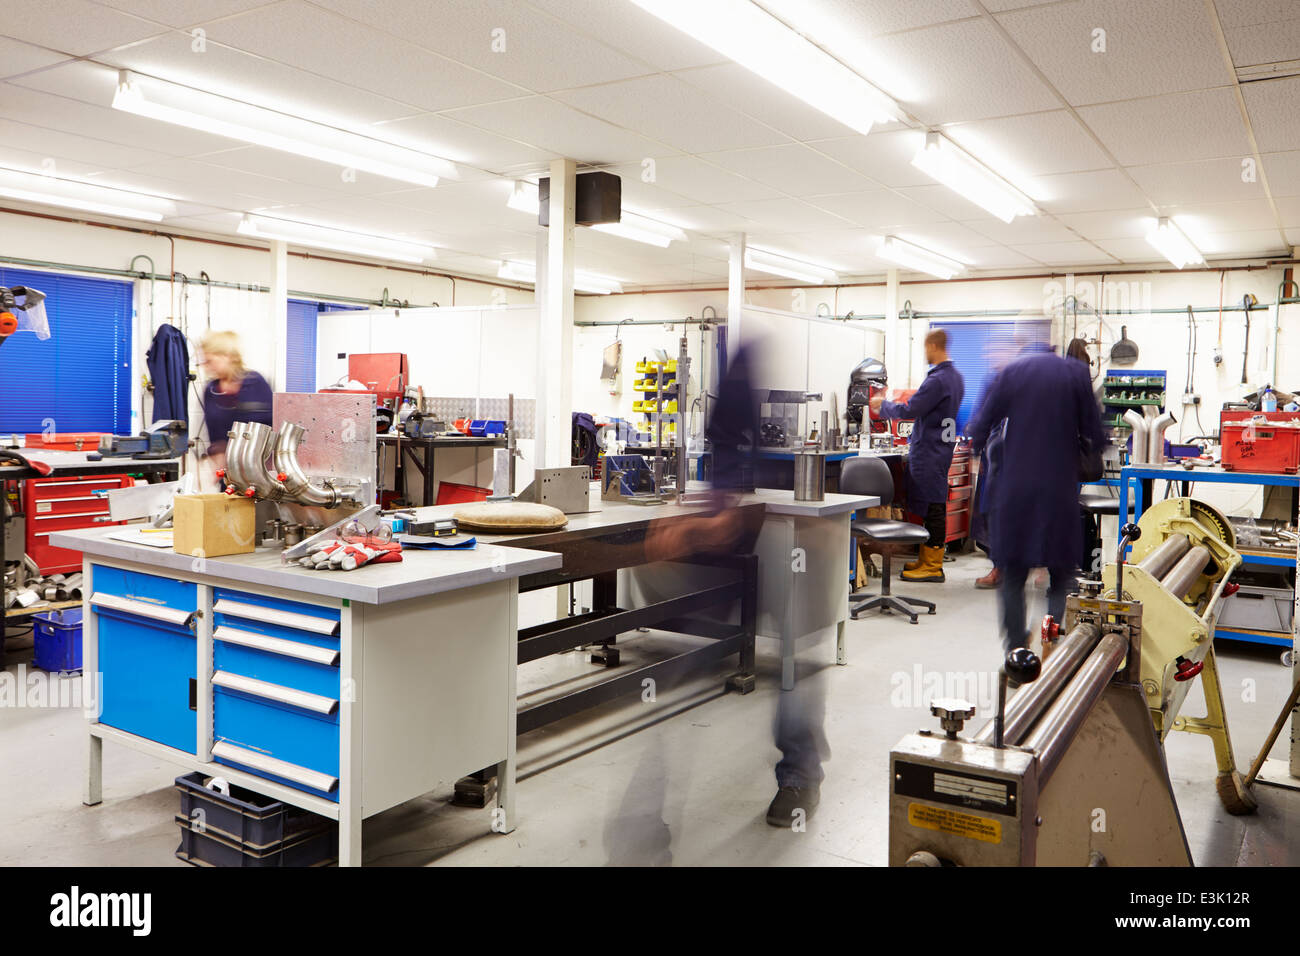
x=809, y=353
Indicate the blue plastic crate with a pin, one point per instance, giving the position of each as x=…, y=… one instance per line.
x=57, y=637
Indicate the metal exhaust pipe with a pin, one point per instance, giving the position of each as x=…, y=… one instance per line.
x=1156, y=438
x=296, y=484
x=261, y=443
x=1161, y=559
x=1139, y=426
x=234, y=451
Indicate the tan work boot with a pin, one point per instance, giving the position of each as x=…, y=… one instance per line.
x=989, y=581
x=929, y=567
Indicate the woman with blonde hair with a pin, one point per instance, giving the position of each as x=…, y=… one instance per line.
x=232, y=394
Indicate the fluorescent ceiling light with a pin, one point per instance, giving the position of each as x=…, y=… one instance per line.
x=940, y=158
x=524, y=197
x=210, y=113
x=916, y=257
x=73, y=194
x=778, y=265
x=340, y=240
x=639, y=228
x=582, y=281
x=762, y=44
x=1173, y=244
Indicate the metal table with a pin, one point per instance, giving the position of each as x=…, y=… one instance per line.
x=407, y=448
x=74, y=464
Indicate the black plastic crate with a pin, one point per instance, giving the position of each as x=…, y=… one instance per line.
x=247, y=819
x=209, y=848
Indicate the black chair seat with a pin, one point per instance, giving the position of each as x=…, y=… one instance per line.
x=1101, y=504
x=883, y=529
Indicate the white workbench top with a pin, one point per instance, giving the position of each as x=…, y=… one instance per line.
x=419, y=573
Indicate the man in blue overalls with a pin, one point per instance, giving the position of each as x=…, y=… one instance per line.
x=933, y=409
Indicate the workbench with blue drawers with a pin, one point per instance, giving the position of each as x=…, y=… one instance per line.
x=280, y=679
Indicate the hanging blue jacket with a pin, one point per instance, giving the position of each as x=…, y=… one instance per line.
x=933, y=409
x=1049, y=408
x=168, y=360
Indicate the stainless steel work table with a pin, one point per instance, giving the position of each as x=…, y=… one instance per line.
x=344, y=692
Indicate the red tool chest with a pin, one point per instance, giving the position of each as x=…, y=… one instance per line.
x=1268, y=443
x=959, y=495
x=58, y=504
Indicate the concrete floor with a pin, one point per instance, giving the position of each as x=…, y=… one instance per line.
x=685, y=780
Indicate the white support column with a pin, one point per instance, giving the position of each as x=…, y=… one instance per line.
x=555, y=335
x=893, y=353
x=735, y=292
x=280, y=312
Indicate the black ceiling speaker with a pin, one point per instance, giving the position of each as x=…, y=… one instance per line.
x=599, y=199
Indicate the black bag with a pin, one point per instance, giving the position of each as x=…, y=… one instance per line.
x=1090, y=464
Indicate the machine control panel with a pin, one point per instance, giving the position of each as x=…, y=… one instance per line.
x=944, y=785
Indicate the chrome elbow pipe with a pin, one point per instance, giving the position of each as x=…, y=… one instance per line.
x=235, y=440
x=296, y=484
x=257, y=449
x=1156, y=438
x=1141, y=439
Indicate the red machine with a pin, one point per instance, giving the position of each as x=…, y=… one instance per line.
x=384, y=374
x=1264, y=442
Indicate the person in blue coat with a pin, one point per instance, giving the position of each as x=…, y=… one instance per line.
x=233, y=393
x=1050, y=410
x=933, y=410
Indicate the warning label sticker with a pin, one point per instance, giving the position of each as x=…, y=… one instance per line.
x=954, y=821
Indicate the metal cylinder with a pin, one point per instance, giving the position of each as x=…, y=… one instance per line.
x=1052, y=735
x=1139, y=426
x=1156, y=438
x=1032, y=699
x=1164, y=557
x=1186, y=572
x=809, y=476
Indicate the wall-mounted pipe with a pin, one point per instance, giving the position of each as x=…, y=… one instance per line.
x=1138, y=424
x=1156, y=438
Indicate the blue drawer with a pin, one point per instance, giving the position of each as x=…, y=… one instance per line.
x=147, y=669
x=313, y=618
x=275, y=730
x=150, y=588
x=278, y=668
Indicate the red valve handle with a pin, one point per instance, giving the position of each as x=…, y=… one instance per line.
x=1187, y=669
x=281, y=477
x=1230, y=588
x=1051, y=630
x=230, y=490
x=221, y=472
x=250, y=491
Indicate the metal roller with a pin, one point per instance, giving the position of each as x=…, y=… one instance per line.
x=1052, y=736
x=1032, y=699
x=1186, y=572
x=1160, y=560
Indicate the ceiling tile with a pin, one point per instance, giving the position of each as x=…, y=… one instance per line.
x=552, y=126
x=1273, y=114
x=1112, y=224
x=703, y=218
x=735, y=87
x=77, y=27
x=1260, y=31
x=504, y=38
x=633, y=31
x=1289, y=210
x=865, y=17
x=884, y=157
x=641, y=195
x=17, y=57
x=1089, y=192
x=190, y=173
x=785, y=215
x=1065, y=253
x=945, y=201
x=184, y=13
x=668, y=110
x=324, y=178
x=706, y=183
x=878, y=209
x=62, y=147
x=1035, y=144
x=1261, y=242
x=29, y=161
x=1283, y=172
x=1156, y=46
x=793, y=169
x=1253, y=214
x=1131, y=250
x=1209, y=180
x=997, y=257
x=1170, y=129
x=254, y=79
x=965, y=71
x=316, y=40
x=1022, y=230
x=459, y=142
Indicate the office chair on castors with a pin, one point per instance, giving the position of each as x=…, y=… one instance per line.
x=883, y=536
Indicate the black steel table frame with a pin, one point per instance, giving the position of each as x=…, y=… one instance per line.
x=166, y=471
